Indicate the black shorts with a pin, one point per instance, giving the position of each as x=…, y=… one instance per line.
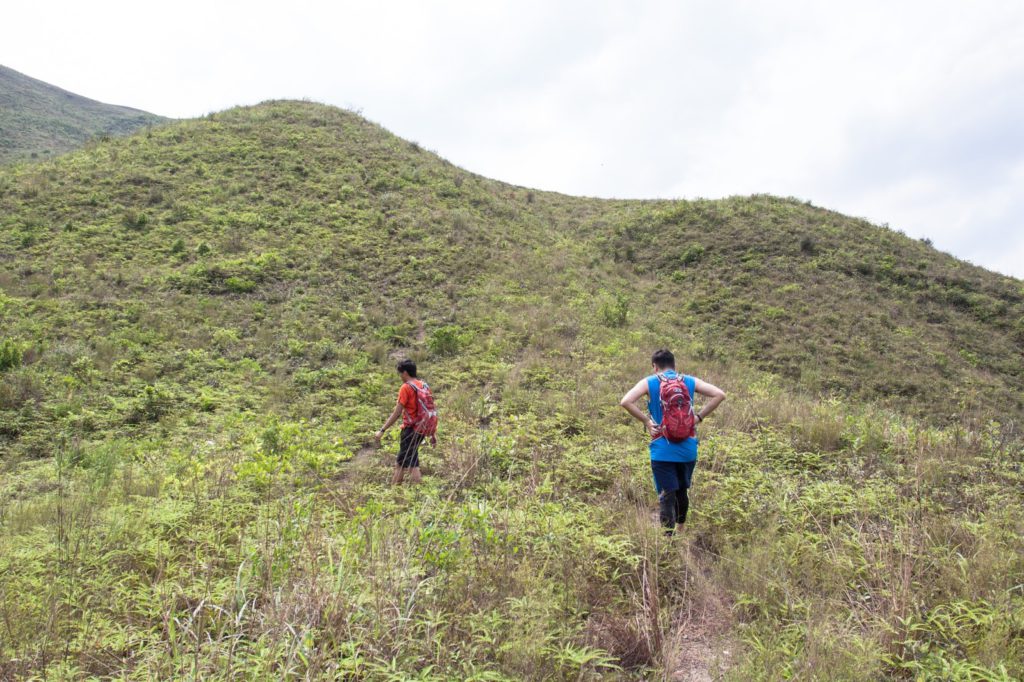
x=409, y=448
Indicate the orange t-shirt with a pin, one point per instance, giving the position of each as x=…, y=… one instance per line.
x=407, y=399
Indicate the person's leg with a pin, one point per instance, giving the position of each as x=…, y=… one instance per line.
x=685, y=474
x=412, y=461
x=667, y=502
x=406, y=453
x=667, y=483
x=682, y=506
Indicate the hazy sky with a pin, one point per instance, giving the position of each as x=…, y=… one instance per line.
x=904, y=112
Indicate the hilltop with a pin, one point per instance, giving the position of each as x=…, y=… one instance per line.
x=38, y=120
x=246, y=209
x=200, y=324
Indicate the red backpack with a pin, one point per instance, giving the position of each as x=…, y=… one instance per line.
x=426, y=414
x=677, y=419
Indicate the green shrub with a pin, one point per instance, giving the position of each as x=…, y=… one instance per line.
x=134, y=219
x=614, y=310
x=150, y=405
x=447, y=340
x=692, y=255
x=206, y=401
x=239, y=285
x=462, y=223
x=240, y=275
x=394, y=335
x=11, y=354
x=224, y=338
x=19, y=389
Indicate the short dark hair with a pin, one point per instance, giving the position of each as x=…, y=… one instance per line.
x=663, y=359
x=407, y=366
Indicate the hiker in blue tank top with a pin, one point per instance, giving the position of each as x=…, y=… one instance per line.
x=672, y=429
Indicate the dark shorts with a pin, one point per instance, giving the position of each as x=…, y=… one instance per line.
x=409, y=448
x=672, y=475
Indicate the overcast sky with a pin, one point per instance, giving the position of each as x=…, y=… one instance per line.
x=909, y=113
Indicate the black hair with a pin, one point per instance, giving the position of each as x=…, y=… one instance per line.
x=407, y=366
x=663, y=359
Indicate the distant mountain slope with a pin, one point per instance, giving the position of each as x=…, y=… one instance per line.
x=38, y=119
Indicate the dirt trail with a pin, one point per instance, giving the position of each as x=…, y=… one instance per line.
x=360, y=462
x=699, y=649
x=696, y=657
x=339, y=482
x=362, y=456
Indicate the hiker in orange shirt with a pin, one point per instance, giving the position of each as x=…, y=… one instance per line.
x=419, y=420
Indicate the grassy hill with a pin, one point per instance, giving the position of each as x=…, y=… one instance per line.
x=200, y=324
x=38, y=120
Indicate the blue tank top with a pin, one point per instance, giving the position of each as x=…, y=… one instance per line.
x=661, y=449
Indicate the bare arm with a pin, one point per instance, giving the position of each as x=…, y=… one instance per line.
x=392, y=418
x=629, y=403
x=711, y=391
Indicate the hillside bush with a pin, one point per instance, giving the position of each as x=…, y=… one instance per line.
x=11, y=353
x=239, y=285
x=692, y=255
x=134, y=219
x=447, y=340
x=151, y=403
x=395, y=335
x=20, y=389
x=614, y=309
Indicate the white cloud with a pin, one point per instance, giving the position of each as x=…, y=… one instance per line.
x=905, y=113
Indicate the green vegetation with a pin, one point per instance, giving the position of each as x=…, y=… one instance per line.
x=38, y=120
x=854, y=310
x=199, y=329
